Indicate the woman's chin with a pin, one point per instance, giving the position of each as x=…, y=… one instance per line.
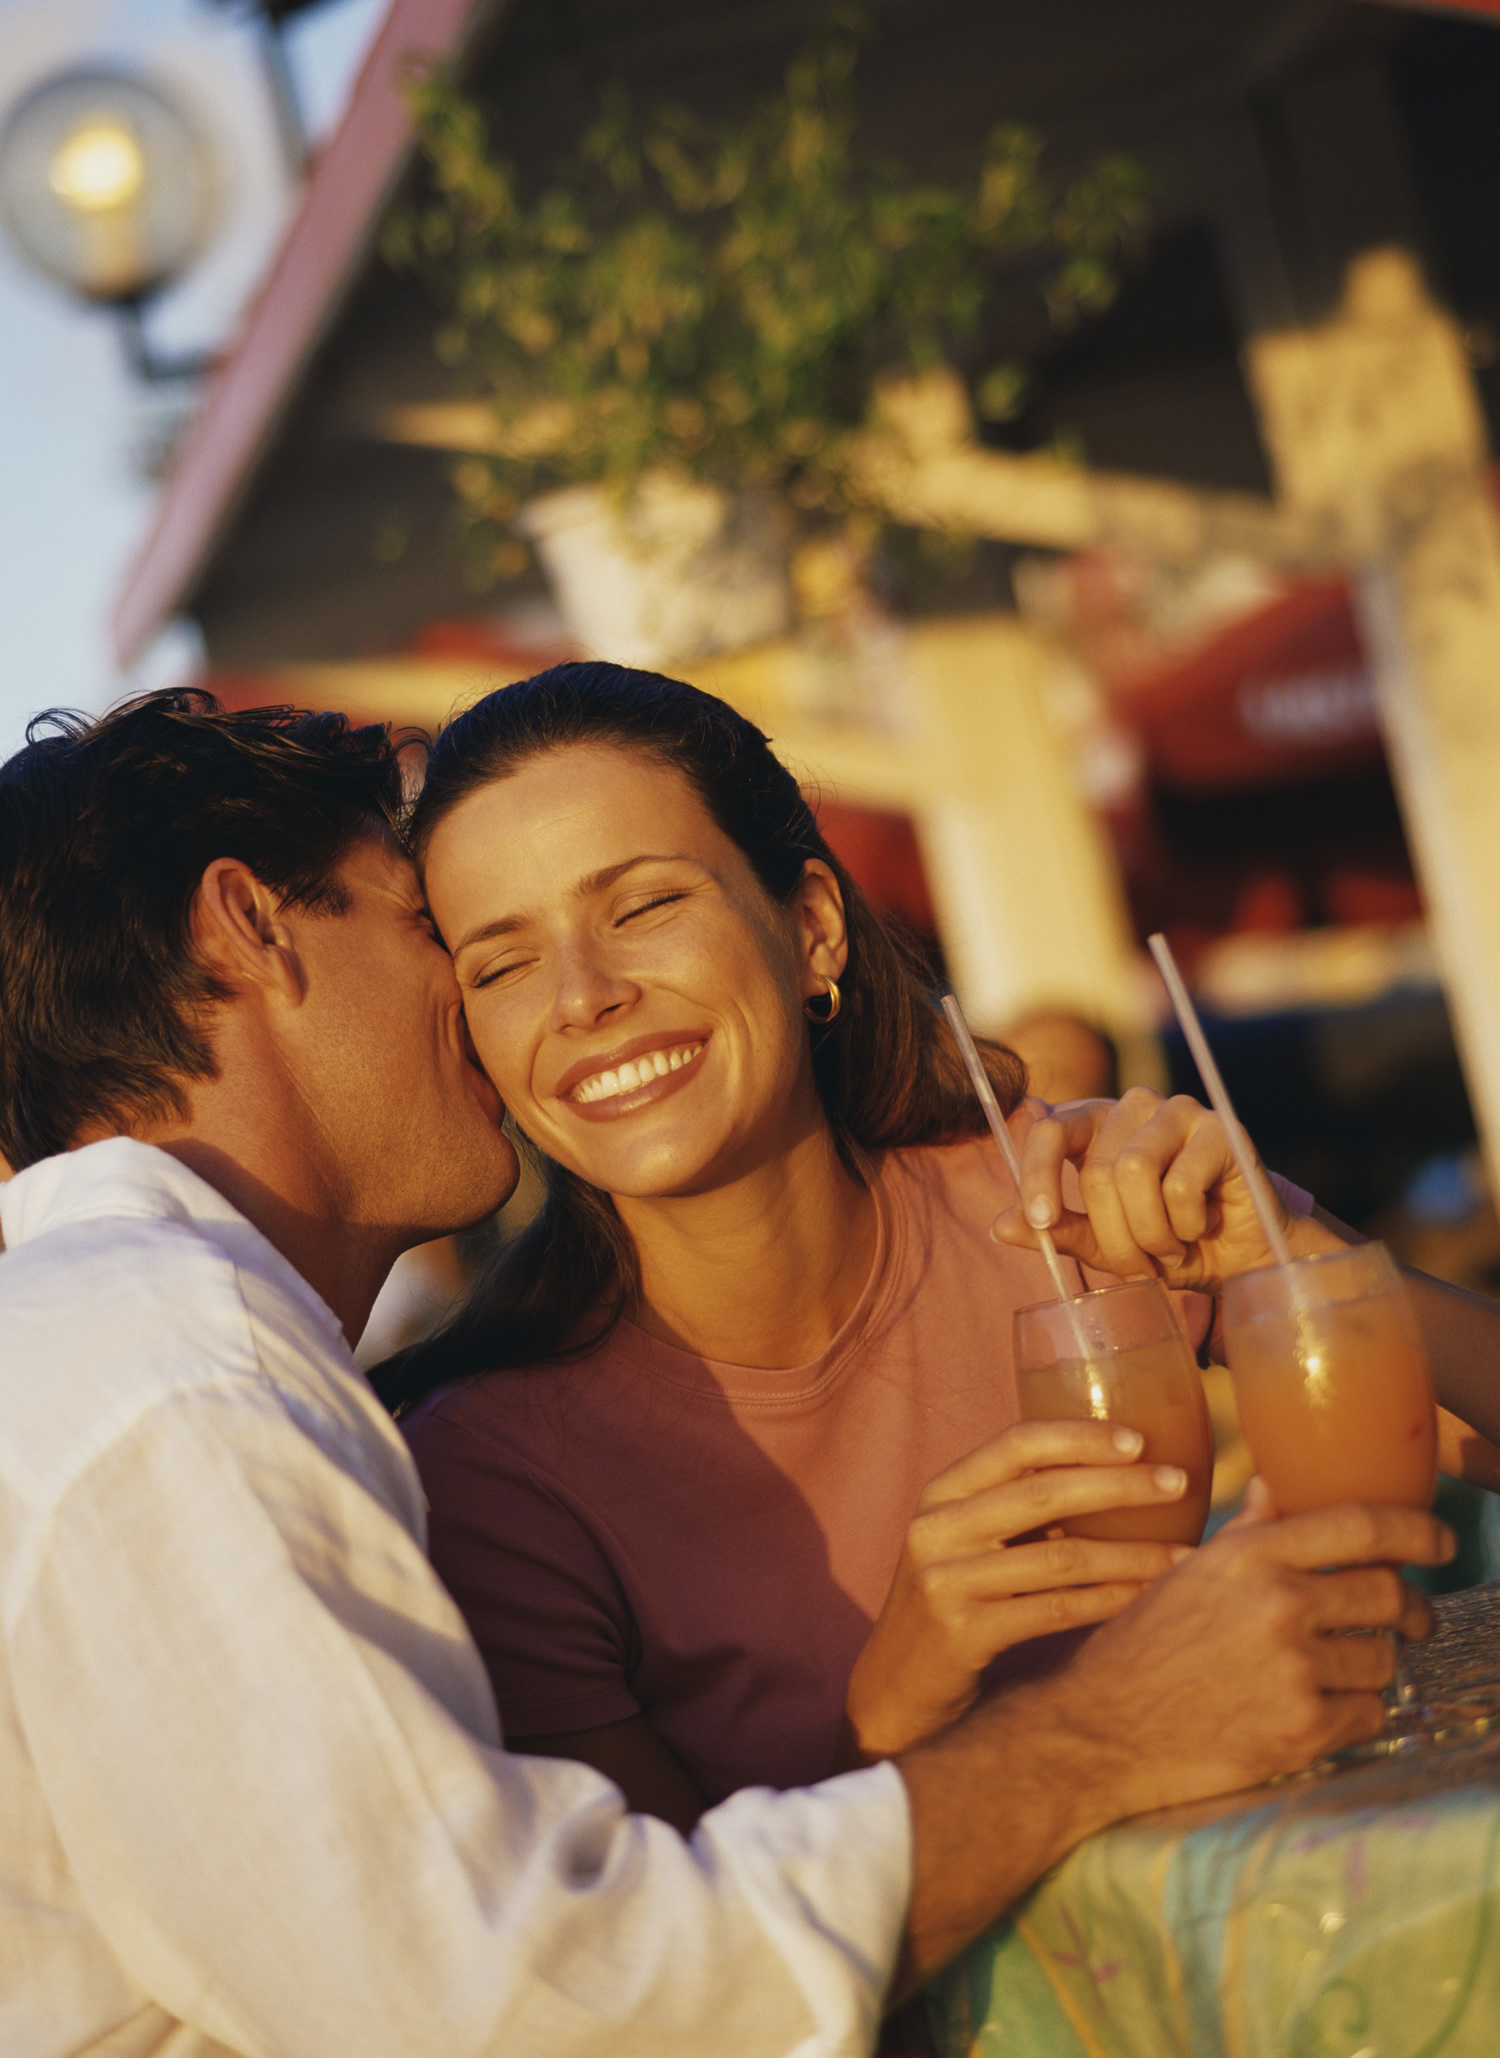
x=649, y=1172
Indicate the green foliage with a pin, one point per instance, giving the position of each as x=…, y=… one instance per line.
x=720, y=299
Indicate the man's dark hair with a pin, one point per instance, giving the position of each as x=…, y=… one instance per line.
x=106, y=829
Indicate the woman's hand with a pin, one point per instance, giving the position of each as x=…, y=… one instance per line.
x=1162, y=1193
x=966, y=1589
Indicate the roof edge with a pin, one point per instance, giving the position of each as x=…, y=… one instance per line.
x=315, y=267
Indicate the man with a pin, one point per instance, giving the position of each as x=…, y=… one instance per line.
x=254, y=1795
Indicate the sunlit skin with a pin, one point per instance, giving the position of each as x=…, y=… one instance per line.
x=597, y=916
x=349, y=1119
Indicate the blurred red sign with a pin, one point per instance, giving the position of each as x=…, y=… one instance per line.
x=1284, y=694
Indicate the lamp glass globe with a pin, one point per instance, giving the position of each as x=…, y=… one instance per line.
x=106, y=185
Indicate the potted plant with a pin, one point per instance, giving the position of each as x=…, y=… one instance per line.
x=677, y=339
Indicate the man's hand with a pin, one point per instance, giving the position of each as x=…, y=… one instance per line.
x=1224, y=1673
x=1161, y=1190
x=1237, y=1666
x=966, y=1589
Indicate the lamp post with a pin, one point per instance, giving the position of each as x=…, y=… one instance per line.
x=107, y=187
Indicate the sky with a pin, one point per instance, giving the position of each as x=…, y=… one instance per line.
x=76, y=428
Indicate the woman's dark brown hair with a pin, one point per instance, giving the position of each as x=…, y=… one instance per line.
x=888, y=1071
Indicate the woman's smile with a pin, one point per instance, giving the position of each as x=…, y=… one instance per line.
x=634, y=991
x=636, y=1075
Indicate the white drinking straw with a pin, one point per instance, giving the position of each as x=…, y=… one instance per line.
x=1002, y=1134
x=1255, y=1180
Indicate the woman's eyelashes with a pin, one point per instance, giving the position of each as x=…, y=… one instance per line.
x=492, y=974
x=659, y=900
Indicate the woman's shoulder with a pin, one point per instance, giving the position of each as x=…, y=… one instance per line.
x=959, y=1175
x=940, y=1200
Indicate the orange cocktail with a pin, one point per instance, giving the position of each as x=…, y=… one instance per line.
x=1119, y=1355
x=1332, y=1381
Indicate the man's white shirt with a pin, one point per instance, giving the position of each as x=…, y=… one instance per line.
x=253, y=1795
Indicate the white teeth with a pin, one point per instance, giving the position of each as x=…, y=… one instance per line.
x=635, y=1072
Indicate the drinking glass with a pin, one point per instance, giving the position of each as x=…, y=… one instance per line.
x=1332, y=1381
x=1119, y=1355
x=1334, y=1391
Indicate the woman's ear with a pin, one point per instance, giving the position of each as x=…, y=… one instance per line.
x=822, y=926
x=241, y=935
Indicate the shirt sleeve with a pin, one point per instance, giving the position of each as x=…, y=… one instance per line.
x=267, y=1747
x=533, y=1579
x=1295, y=1199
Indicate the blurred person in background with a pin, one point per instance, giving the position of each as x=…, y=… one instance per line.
x=1066, y=1057
x=256, y=1797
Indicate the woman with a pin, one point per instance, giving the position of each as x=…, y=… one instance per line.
x=744, y=1387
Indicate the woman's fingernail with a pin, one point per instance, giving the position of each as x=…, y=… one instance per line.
x=1130, y=1441
x=1181, y=1551
x=1039, y=1213
x=1171, y=1478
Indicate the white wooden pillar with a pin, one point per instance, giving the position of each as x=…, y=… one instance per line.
x=1027, y=891
x=1372, y=420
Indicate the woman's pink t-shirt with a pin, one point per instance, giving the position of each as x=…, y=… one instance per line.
x=647, y=1531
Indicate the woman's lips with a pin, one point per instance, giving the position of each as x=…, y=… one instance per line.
x=658, y=1071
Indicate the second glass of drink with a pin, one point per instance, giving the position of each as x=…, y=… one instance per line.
x=1332, y=1381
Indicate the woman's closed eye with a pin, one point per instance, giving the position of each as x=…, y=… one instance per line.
x=493, y=973
x=657, y=900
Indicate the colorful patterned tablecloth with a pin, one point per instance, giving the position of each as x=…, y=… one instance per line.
x=1351, y=1913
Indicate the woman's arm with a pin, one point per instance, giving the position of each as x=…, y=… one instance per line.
x=1462, y=1332
x=635, y=1758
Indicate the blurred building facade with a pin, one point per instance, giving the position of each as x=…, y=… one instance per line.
x=1211, y=678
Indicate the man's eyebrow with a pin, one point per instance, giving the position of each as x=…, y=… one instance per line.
x=592, y=883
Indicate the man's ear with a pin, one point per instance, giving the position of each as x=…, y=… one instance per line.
x=824, y=935
x=241, y=933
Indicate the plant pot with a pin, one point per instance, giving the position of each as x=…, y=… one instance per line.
x=679, y=570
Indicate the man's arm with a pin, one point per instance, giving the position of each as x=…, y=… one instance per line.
x=642, y=1766
x=269, y=1750
x=1221, y=1675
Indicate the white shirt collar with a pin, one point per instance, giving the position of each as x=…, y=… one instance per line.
x=123, y=1177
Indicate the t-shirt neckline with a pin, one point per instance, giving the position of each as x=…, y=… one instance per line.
x=720, y=1380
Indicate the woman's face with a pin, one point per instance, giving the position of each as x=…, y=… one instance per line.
x=633, y=992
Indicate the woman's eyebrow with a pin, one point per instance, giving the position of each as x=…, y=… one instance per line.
x=598, y=882
x=593, y=882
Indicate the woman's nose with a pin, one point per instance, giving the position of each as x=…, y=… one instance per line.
x=588, y=992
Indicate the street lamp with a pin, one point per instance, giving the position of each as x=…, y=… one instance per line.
x=107, y=187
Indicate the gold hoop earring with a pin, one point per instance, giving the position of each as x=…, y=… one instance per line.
x=833, y=1003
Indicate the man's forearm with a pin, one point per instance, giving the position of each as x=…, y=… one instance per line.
x=1220, y=1675
x=995, y=1803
